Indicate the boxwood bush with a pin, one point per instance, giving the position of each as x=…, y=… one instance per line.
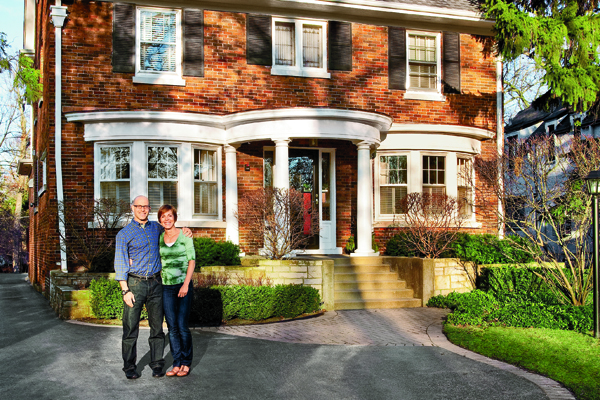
x=209, y=252
x=106, y=300
x=217, y=303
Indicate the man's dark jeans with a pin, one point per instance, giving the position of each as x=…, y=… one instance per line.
x=148, y=292
x=177, y=313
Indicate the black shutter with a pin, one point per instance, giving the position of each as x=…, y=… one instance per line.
x=258, y=40
x=451, y=65
x=123, y=57
x=340, y=46
x=193, y=42
x=397, y=58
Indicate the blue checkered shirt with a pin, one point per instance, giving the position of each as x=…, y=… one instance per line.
x=139, y=243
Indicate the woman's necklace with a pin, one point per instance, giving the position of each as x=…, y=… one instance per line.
x=171, y=236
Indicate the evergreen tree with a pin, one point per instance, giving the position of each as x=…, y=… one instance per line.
x=562, y=37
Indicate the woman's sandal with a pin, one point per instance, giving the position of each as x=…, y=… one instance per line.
x=174, y=371
x=183, y=372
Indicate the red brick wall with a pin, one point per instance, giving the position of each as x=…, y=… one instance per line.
x=230, y=85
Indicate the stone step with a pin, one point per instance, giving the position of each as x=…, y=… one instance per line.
x=365, y=276
x=369, y=285
x=377, y=294
x=371, y=304
x=346, y=269
x=357, y=261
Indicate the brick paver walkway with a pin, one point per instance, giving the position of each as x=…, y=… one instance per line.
x=381, y=327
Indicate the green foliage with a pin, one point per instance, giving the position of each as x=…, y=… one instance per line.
x=505, y=281
x=399, y=246
x=209, y=252
x=561, y=37
x=211, y=305
x=106, y=299
x=479, y=308
x=350, y=245
x=488, y=249
x=28, y=79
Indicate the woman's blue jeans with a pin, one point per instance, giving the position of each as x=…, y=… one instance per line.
x=177, y=313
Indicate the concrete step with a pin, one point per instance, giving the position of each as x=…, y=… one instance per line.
x=369, y=285
x=370, y=304
x=365, y=276
x=343, y=295
x=346, y=269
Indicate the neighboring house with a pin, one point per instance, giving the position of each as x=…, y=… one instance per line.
x=197, y=103
x=559, y=126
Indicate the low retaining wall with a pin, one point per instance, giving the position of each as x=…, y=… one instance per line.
x=69, y=296
x=432, y=277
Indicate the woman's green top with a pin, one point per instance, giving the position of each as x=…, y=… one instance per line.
x=175, y=259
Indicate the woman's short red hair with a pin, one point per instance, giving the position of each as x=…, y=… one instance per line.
x=166, y=208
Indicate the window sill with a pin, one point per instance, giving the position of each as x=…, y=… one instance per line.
x=303, y=72
x=158, y=79
x=430, y=96
x=202, y=224
x=400, y=222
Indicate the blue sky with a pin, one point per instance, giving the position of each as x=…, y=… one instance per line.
x=11, y=22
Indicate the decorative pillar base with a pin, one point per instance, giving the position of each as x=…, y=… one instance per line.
x=371, y=254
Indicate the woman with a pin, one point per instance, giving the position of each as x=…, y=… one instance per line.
x=178, y=261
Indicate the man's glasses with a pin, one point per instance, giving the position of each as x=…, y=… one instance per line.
x=141, y=207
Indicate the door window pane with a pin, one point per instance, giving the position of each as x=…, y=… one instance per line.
x=325, y=183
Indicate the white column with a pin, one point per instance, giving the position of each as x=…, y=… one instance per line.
x=364, y=203
x=58, y=14
x=281, y=179
x=231, y=194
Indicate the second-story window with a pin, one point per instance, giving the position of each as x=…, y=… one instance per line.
x=159, y=48
x=423, y=62
x=299, y=48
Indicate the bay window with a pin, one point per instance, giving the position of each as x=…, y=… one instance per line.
x=115, y=172
x=162, y=176
x=393, y=183
x=205, y=182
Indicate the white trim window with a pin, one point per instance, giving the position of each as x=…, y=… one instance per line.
x=300, y=48
x=163, y=176
x=464, y=167
x=423, y=65
x=158, y=46
x=205, y=182
x=434, y=174
x=42, y=178
x=393, y=183
x=115, y=172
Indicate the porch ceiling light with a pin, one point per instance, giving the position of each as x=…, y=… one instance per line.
x=593, y=182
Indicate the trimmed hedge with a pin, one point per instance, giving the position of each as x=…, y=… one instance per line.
x=210, y=252
x=480, y=249
x=217, y=303
x=106, y=300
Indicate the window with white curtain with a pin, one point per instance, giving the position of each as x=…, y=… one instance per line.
x=162, y=176
x=393, y=183
x=299, y=48
x=115, y=173
x=422, y=62
x=205, y=182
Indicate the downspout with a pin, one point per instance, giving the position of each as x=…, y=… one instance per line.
x=500, y=137
x=58, y=14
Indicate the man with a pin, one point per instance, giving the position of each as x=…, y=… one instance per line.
x=137, y=267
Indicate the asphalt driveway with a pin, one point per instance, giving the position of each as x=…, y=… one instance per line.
x=47, y=358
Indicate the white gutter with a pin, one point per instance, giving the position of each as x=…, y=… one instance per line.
x=500, y=134
x=58, y=14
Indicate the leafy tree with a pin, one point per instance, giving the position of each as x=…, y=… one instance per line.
x=562, y=38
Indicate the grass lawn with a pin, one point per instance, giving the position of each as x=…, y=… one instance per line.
x=568, y=357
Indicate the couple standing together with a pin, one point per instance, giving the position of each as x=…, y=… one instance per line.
x=154, y=264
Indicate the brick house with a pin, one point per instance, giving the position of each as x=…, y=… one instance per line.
x=195, y=103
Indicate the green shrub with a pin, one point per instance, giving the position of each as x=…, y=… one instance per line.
x=106, y=300
x=211, y=305
x=209, y=252
x=485, y=309
x=398, y=246
x=488, y=249
x=511, y=281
